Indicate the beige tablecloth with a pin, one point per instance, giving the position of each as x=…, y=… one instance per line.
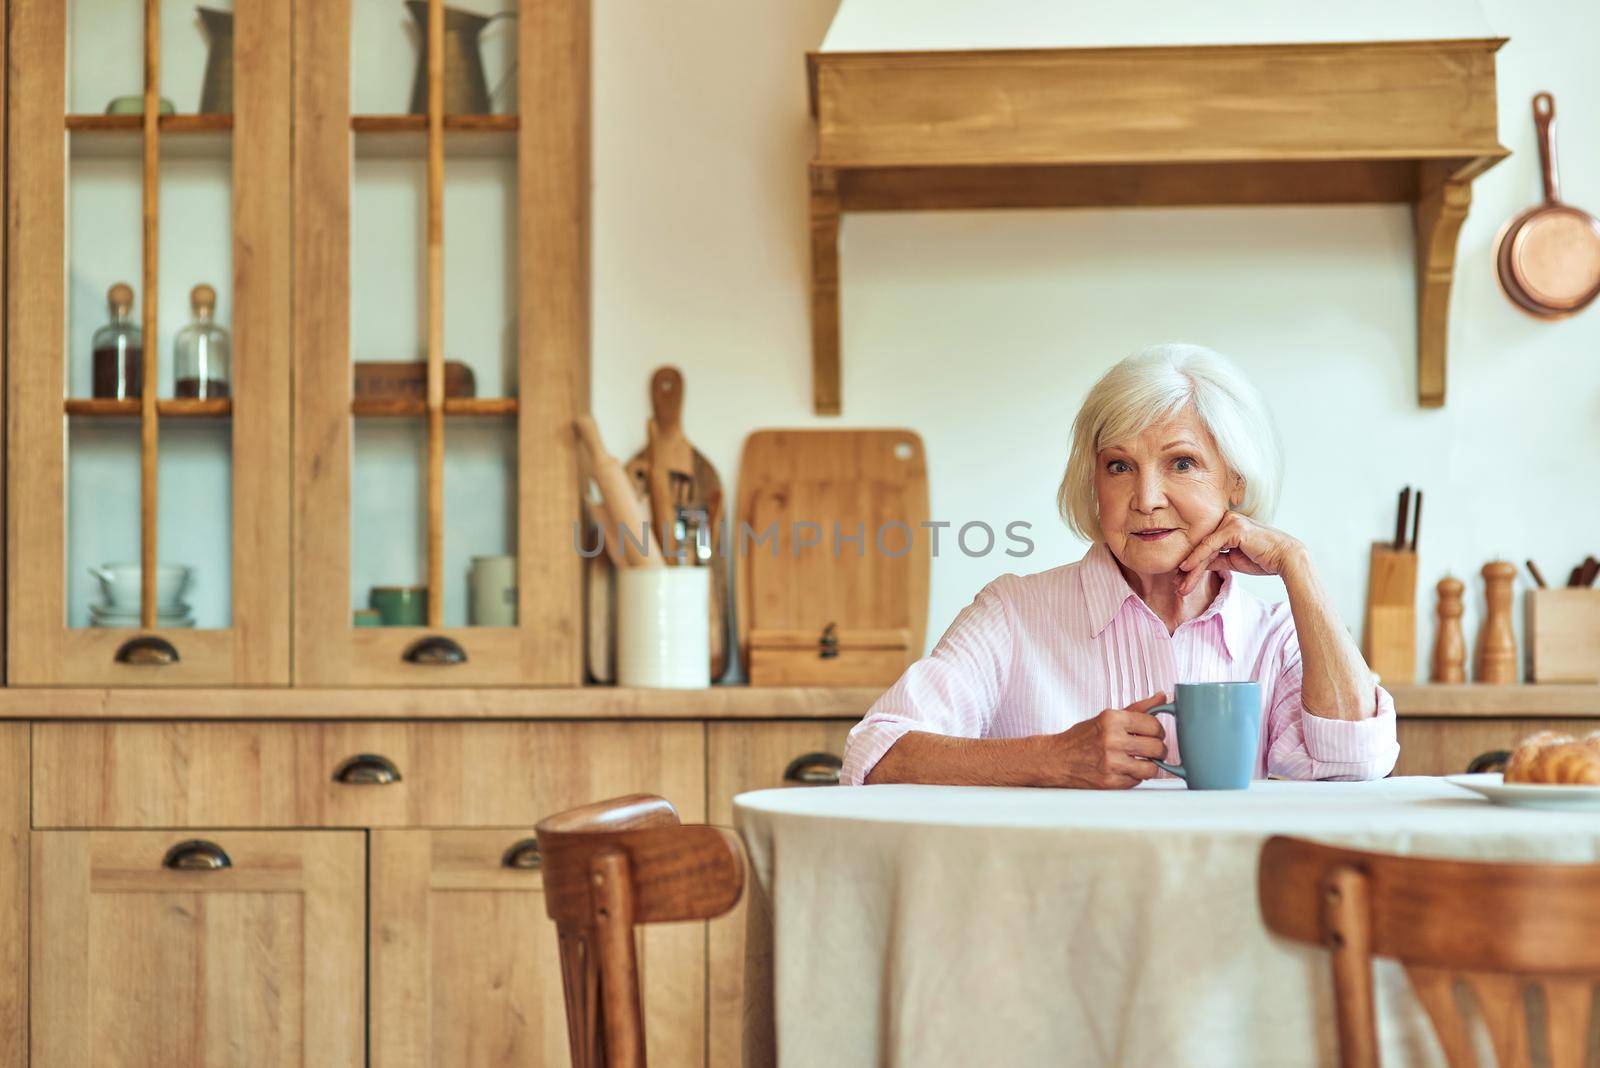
x=920, y=926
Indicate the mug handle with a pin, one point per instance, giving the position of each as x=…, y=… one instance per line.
x=1172, y=769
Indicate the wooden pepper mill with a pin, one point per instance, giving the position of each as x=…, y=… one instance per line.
x=1496, y=660
x=1449, y=642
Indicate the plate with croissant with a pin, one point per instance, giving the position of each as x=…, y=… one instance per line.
x=1547, y=770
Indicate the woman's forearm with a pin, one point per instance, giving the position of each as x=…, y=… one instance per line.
x=1336, y=682
x=938, y=759
x=1111, y=751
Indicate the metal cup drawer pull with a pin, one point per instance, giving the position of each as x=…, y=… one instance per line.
x=435, y=649
x=814, y=769
x=367, y=769
x=524, y=856
x=196, y=855
x=147, y=650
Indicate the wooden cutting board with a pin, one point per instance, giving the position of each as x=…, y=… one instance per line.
x=874, y=596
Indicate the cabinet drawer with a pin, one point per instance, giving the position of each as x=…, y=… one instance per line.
x=284, y=774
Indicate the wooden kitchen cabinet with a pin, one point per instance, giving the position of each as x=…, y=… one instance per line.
x=443, y=889
x=497, y=469
x=464, y=962
x=160, y=204
x=292, y=506
x=741, y=757
x=139, y=960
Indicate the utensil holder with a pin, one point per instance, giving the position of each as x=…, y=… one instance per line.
x=1390, y=641
x=662, y=638
x=1563, y=635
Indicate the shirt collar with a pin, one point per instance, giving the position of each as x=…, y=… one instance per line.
x=1106, y=594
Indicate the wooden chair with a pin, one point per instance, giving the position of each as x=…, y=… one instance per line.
x=1504, y=930
x=609, y=866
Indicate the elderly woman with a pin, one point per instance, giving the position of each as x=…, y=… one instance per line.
x=1044, y=680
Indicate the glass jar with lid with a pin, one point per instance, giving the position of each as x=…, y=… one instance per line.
x=118, y=349
x=201, y=351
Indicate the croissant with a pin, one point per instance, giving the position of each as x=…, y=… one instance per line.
x=1522, y=758
x=1570, y=764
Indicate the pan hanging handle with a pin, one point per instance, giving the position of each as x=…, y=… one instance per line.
x=1544, y=117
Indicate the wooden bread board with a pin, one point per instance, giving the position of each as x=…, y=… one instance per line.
x=875, y=597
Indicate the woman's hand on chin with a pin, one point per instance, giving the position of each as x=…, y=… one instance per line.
x=1240, y=544
x=1112, y=751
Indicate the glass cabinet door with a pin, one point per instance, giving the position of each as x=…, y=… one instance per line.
x=148, y=343
x=440, y=338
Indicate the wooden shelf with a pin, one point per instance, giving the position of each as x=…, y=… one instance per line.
x=1130, y=127
x=615, y=702
x=406, y=136
x=166, y=408
x=121, y=136
x=167, y=124
x=381, y=124
x=483, y=407
x=1474, y=701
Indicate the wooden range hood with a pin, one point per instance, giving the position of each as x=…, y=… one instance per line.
x=1410, y=121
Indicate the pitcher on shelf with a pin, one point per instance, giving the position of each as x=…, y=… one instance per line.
x=466, y=88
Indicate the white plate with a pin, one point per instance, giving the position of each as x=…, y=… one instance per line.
x=1530, y=794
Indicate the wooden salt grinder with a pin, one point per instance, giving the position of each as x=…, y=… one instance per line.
x=1496, y=660
x=1449, y=642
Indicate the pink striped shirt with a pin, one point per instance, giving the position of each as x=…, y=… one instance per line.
x=1036, y=654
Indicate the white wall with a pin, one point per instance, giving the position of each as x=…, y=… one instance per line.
x=982, y=331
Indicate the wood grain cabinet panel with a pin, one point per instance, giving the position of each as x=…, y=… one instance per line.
x=13, y=895
x=740, y=757
x=1447, y=746
x=283, y=774
x=464, y=962
x=255, y=964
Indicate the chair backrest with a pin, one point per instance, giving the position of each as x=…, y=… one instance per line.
x=1503, y=931
x=606, y=867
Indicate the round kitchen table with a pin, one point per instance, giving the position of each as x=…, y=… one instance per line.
x=918, y=926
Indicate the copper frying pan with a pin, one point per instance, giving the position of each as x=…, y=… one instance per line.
x=1548, y=257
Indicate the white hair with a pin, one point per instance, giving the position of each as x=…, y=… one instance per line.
x=1151, y=387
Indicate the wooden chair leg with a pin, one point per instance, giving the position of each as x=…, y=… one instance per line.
x=621, y=1012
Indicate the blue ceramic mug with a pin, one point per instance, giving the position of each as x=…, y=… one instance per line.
x=1219, y=728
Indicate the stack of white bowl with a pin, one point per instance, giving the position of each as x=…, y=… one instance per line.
x=120, y=585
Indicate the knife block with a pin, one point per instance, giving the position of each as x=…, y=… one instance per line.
x=1563, y=633
x=1390, y=641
